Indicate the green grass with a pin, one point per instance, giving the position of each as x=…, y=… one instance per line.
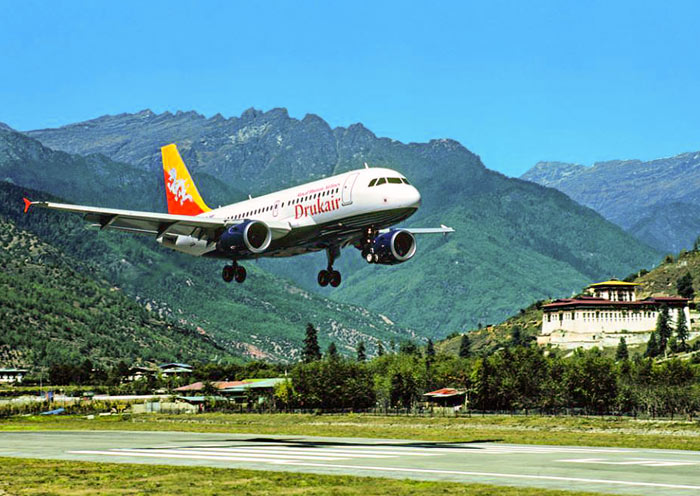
x=48, y=477
x=580, y=431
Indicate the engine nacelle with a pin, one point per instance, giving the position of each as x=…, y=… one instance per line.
x=394, y=247
x=251, y=236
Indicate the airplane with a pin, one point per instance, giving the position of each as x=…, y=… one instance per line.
x=356, y=208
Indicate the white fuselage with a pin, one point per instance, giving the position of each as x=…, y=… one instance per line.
x=342, y=201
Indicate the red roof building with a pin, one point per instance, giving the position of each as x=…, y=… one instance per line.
x=607, y=312
x=446, y=397
x=199, y=386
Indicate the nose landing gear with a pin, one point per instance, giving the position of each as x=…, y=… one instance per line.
x=330, y=276
x=368, y=246
x=234, y=271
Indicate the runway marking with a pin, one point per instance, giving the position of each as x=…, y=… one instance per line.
x=171, y=455
x=495, y=475
x=359, y=454
x=647, y=462
x=265, y=454
x=237, y=453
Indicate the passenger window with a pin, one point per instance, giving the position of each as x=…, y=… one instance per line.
x=372, y=182
x=381, y=181
x=394, y=180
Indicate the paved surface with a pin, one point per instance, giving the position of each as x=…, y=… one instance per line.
x=608, y=470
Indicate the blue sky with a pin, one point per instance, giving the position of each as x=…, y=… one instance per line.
x=515, y=82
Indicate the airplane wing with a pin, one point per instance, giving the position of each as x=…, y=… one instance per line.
x=155, y=223
x=134, y=221
x=443, y=229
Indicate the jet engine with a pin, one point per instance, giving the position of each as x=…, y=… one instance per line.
x=393, y=247
x=250, y=236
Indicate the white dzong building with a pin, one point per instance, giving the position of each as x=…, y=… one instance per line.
x=607, y=312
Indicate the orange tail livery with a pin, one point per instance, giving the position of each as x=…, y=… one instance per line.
x=183, y=197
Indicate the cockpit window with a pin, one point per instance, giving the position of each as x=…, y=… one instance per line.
x=381, y=181
x=372, y=182
x=405, y=181
x=394, y=180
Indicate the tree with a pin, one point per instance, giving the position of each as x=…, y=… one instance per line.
x=696, y=245
x=622, y=353
x=464, y=347
x=380, y=348
x=332, y=351
x=209, y=389
x=684, y=286
x=361, y=354
x=430, y=349
x=516, y=336
x=652, y=346
x=682, y=330
x=408, y=348
x=312, y=351
x=85, y=372
x=663, y=329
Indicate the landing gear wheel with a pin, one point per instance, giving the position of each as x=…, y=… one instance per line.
x=240, y=274
x=335, y=278
x=324, y=277
x=228, y=272
x=369, y=257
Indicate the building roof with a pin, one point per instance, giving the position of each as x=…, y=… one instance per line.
x=142, y=369
x=444, y=393
x=15, y=371
x=175, y=365
x=198, y=386
x=614, y=283
x=201, y=399
x=589, y=301
x=254, y=384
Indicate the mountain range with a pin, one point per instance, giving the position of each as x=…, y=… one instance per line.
x=515, y=241
x=657, y=201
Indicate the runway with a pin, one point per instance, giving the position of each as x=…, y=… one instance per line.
x=605, y=470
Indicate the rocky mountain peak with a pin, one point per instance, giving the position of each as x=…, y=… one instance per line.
x=549, y=173
x=250, y=114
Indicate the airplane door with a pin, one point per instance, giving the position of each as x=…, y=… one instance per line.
x=276, y=209
x=347, y=188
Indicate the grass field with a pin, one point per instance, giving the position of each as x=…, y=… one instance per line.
x=22, y=477
x=582, y=431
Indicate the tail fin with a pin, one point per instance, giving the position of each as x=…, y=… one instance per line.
x=183, y=197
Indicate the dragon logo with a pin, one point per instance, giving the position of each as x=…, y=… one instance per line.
x=178, y=187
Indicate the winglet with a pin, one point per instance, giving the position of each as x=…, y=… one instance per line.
x=27, y=204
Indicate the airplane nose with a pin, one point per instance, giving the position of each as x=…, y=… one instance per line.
x=414, y=197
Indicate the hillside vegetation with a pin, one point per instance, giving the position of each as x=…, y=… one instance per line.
x=54, y=310
x=663, y=279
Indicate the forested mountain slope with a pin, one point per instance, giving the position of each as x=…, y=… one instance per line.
x=515, y=242
x=54, y=310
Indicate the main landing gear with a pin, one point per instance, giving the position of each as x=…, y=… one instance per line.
x=330, y=276
x=234, y=271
